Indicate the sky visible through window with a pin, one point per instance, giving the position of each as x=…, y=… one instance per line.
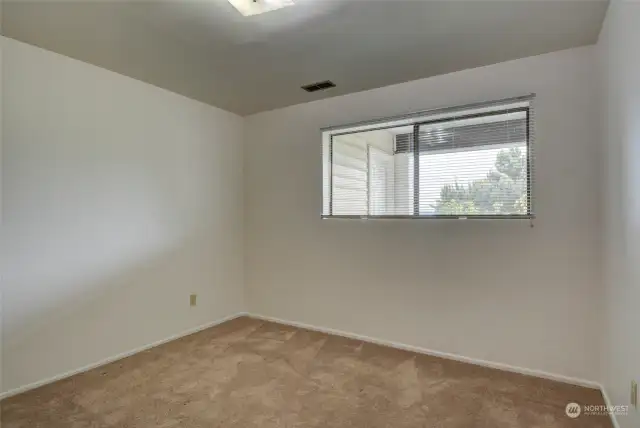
x=463, y=167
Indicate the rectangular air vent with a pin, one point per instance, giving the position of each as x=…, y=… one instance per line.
x=320, y=86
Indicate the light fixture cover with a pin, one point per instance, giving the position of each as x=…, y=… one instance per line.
x=256, y=7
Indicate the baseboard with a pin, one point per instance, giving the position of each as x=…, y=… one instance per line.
x=491, y=364
x=607, y=402
x=109, y=360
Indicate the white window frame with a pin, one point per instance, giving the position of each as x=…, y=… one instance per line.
x=415, y=120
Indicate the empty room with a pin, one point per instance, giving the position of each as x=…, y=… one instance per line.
x=320, y=213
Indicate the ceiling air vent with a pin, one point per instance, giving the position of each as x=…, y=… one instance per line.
x=320, y=86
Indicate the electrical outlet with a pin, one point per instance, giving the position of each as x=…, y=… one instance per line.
x=634, y=394
x=193, y=299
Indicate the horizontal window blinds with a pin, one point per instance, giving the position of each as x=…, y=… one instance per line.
x=468, y=163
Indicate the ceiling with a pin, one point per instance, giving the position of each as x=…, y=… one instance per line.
x=206, y=50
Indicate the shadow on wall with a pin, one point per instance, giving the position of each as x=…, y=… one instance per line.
x=134, y=305
x=119, y=200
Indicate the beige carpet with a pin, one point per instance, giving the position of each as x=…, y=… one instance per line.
x=247, y=373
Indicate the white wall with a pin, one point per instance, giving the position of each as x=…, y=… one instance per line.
x=120, y=199
x=493, y=290
x=619, y=54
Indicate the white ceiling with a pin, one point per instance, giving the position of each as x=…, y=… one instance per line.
x=206, y=50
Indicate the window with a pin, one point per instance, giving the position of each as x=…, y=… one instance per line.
x=469, y=162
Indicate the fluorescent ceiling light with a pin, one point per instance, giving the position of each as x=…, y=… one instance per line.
x=256, y=7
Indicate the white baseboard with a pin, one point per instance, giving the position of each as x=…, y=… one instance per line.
x=491, y=364
x=607, y=402
x=109, y=360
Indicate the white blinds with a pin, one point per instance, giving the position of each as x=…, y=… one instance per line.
x=468, y=162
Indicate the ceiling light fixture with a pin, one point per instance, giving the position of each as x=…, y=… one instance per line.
x=256, y=7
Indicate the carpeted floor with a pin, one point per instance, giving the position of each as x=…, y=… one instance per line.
x=248, y=373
